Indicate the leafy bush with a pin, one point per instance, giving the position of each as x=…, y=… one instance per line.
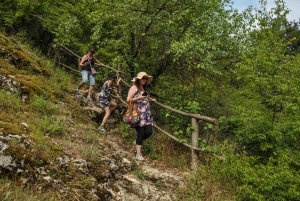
x=245, y=177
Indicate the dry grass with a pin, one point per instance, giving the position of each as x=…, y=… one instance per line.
x=14, y=191
x=203, y=186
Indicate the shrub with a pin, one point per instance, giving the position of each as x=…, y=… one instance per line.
x=230, y=176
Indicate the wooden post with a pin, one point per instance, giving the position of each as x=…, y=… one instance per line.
x=58, y=56
x=119, y=70
x=55, y=55
x=195, y=136
x=79, y=67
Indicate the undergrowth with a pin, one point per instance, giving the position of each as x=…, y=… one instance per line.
x=12, y=191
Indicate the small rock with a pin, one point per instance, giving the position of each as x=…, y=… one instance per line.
x=25, y=124
x=41, y=171
x=112, y=166
x=19, y=170
x=24, y=180
x=7, y=163
x=48, y=178
x=24, y=98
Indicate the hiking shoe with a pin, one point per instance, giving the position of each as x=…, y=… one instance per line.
x=89, y=98
x=76, y=91
x=101, y=128
x=139, y=157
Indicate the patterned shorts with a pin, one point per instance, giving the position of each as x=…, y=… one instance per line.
x=104, y=102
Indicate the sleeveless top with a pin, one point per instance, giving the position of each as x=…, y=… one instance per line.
x=105, y=91
x=145, y=111
x=88, y=68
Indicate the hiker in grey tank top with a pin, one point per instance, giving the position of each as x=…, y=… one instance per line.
x=105, y=100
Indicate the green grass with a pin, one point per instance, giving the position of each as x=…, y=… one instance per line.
x=9, y=103
x=90, y=152
x=15, y=191
x=140, y=174
x=43, y=106
x=51, y=125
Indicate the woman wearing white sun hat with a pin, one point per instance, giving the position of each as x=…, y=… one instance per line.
x=139, y=94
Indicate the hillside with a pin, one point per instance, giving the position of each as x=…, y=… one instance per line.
x=206, y=58
x=50, y=148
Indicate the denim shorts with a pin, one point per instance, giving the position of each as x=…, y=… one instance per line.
x=87, y=75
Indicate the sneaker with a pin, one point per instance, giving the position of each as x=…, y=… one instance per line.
x=89, y=98
x=101, y=128
x=139, y=157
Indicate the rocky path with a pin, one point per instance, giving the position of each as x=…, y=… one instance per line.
x=86, y=164
x=126, y=178
x=148, y=180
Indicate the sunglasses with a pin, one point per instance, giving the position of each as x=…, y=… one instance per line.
x=144, y=78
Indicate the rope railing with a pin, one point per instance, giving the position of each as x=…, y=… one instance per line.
x=195, y=117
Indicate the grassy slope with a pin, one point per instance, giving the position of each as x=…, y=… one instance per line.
x=47, y=112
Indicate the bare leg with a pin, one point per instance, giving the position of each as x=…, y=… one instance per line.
x=138, y=149
x=113, y=106
x=107, y=113
x=90, y=90
x=80, y=85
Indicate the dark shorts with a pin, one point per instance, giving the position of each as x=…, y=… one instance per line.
x=104, y=102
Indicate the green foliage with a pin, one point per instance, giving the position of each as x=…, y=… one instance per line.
x=39, y=104
x=51, y=126
x=245, y=177
x=206, y=58
x=57, y=148
x=292, y=35
x=127, y=133
x=151, y=148
x=207, y=148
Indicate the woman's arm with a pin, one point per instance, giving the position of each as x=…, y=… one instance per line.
x=82, y=62
x=115, y=96
x=118, y=83
x=97, y=61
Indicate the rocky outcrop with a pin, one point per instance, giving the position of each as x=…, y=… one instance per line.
x=11, y=85
x=142, y=180
x=37, y=161
x=116, y=176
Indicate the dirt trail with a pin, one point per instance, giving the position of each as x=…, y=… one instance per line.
x=129, y=179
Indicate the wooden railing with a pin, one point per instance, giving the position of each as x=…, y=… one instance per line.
x=194, y=146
